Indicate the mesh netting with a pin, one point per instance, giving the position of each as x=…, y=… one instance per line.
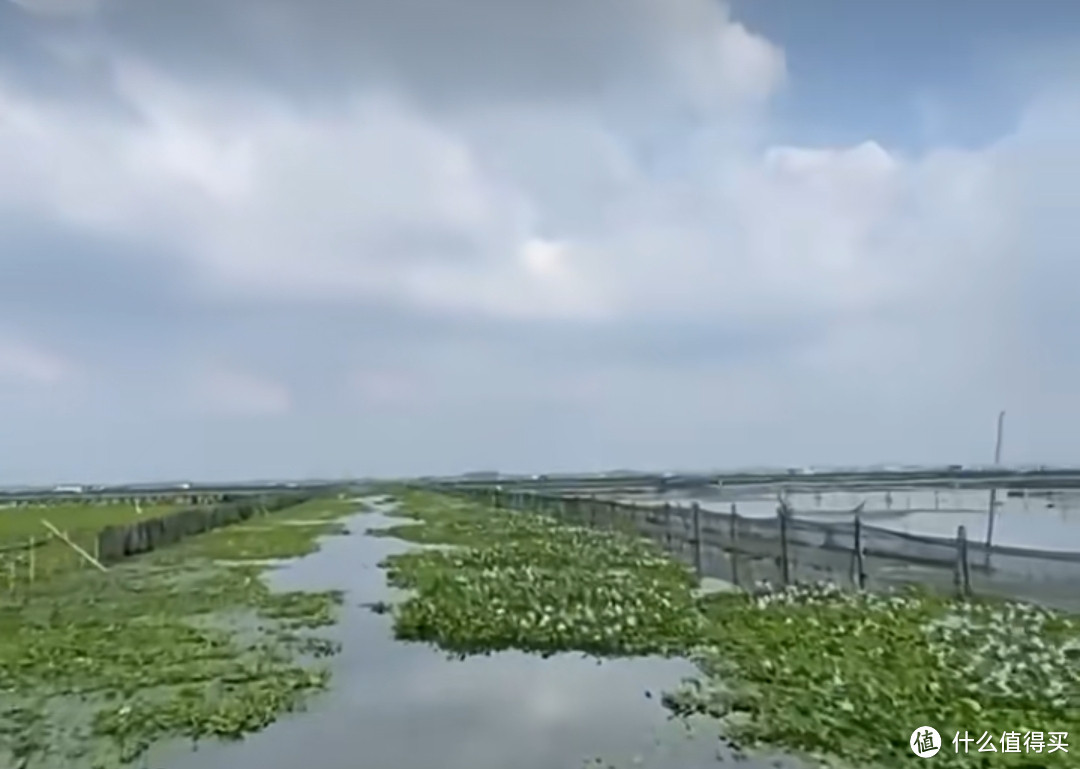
x=746, y=549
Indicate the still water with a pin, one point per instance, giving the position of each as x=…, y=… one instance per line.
x=407, y=706
x=1042, y=523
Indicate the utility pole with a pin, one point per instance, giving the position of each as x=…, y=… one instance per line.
x=993, y=489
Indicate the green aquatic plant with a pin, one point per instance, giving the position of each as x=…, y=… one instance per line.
x=527, y=582
x=833, y=674
x=189, y=642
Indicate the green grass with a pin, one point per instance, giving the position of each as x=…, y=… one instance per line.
x=97, y=668
x=20, y=523
x=21, y=526
x=811, y=669
x=290, y=533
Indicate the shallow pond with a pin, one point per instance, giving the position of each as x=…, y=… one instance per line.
x=407, y=706
x=1038, y=522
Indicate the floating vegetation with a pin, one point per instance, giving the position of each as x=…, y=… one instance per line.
x=835, y=673
x=95, y=669
x=529, y=583
x=827, y=673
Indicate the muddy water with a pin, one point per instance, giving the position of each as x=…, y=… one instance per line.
x=407, y=706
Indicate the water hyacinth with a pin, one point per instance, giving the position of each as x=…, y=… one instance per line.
x=840, y=673
x=810, y=667
x=544, y=587
x=1010, y=652
x=95, y=669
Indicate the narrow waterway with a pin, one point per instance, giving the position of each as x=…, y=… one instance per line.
x=407, y=706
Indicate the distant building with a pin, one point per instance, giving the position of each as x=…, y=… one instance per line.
x=69, y=489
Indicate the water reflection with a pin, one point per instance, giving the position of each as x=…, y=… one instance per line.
x=406, y=706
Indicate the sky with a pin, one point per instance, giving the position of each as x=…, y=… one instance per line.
x=289, y=239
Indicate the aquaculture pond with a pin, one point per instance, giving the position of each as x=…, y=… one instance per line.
x=407, y=705
x=462, y=635
x=835, y=676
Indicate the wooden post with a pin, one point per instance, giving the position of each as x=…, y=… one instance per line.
x=695, y=510
x=993, y=491
x=961, y=577
x=667, y=526
x=734, y=537
x=64, y=537
x=785, y=570
x=31, y=557
x=860, y=572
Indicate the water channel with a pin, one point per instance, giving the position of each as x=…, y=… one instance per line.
x=408, y=706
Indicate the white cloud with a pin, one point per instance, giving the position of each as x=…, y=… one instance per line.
x=724, y=62
x=622, y=184
x=377, y=198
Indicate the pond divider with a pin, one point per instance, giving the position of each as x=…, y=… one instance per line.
x=787, y=548
x=117, y=542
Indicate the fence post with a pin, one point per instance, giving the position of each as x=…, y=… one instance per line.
x=31, y=557
x=78, y=550
x=962, y=576
x=860, y=571
x=592, y=511
x=785, y=572
x=990, y=524
x=667, y=526
x=734, y=530
x=695, y=510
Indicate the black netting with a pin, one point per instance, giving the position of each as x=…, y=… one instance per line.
x=745, y=549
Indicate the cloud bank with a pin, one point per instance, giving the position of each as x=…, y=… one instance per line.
x=316, y=238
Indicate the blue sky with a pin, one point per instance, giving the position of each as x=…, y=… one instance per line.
x=279, y=238
x=912, y=74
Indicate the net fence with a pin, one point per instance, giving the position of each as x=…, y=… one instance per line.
x=746, y=550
